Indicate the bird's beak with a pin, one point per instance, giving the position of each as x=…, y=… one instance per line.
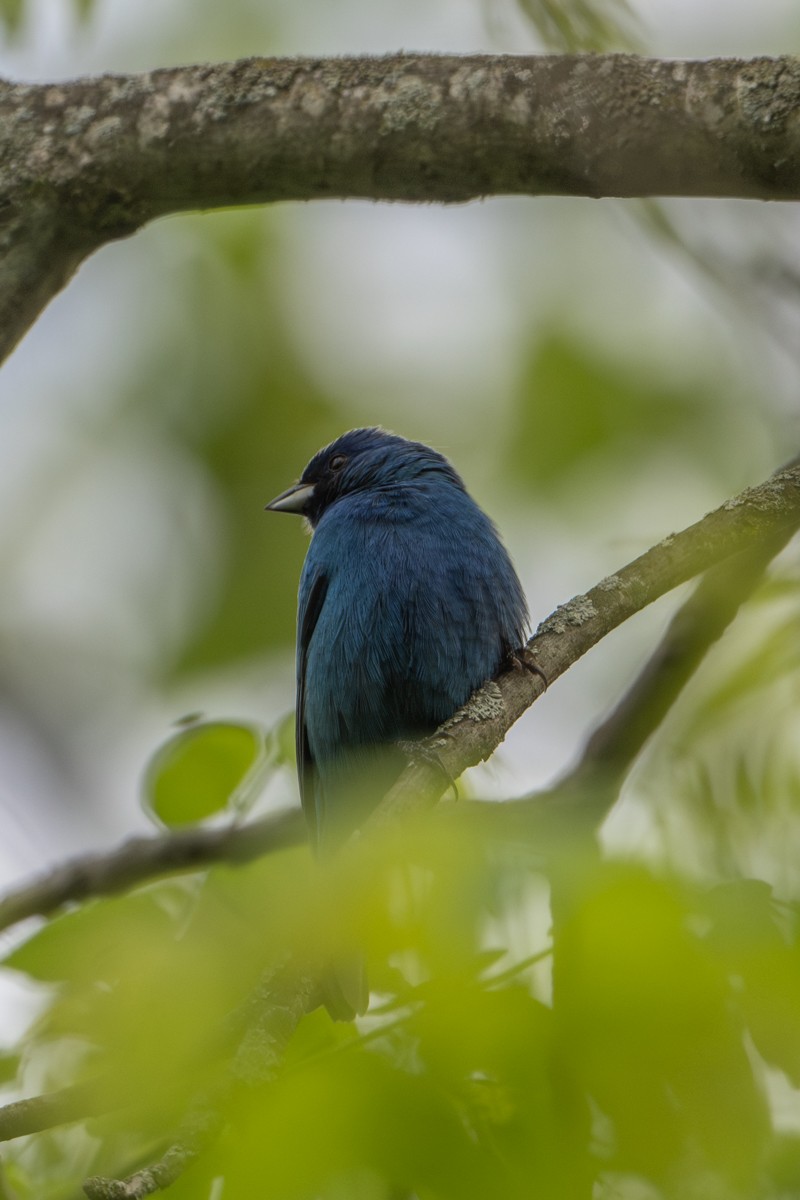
x=293, y=500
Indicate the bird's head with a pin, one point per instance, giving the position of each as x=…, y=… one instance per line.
x=361, y=460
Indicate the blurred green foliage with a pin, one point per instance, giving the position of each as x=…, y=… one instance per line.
x=577, y=408
x=14, y=12
x=571, y=26
x=11, y=14
x=627, y=1055
x=243, y=405
x=584, y=1025
x=727, y=755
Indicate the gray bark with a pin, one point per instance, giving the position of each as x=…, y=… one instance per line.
x=85, y=162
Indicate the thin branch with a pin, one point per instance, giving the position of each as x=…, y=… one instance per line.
x=615, y=744
x=577, y=804
x=76, y=1103
x=142, y=859
x=88, y=161
x=286, y=992
x=260, y=1029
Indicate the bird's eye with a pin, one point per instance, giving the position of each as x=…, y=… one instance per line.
x=337, y=462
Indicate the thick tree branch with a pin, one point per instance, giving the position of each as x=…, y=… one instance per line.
x=85, y=162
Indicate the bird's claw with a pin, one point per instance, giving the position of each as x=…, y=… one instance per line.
x=523, y=660
x=422, y=752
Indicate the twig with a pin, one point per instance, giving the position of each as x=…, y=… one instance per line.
x=141, y=859
x=47, y=1111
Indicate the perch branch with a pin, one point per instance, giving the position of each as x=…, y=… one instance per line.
x=615, y=744
x=754, y=521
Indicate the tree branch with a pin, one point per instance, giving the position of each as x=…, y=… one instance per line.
x=615, y=744
x=85, y=162
x=75, y=1103
x=141, y=859
x=755, y=519
x=582, y=798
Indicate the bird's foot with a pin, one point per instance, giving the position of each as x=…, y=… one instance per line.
x=418, y=752
x=523, y=660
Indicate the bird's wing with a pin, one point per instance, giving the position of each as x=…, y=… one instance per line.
x=312, y=597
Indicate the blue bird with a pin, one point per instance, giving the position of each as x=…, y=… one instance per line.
x=408, y=602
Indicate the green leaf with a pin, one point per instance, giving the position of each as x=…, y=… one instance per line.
x=83, y=946
x=757, y=941
x=203, y=770
x=378, y=1130
x=646, y=1016
x=783, y=1167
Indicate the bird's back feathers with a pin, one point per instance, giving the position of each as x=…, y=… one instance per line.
x=408, y=602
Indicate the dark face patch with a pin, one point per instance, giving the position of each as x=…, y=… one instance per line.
x=364, y=459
